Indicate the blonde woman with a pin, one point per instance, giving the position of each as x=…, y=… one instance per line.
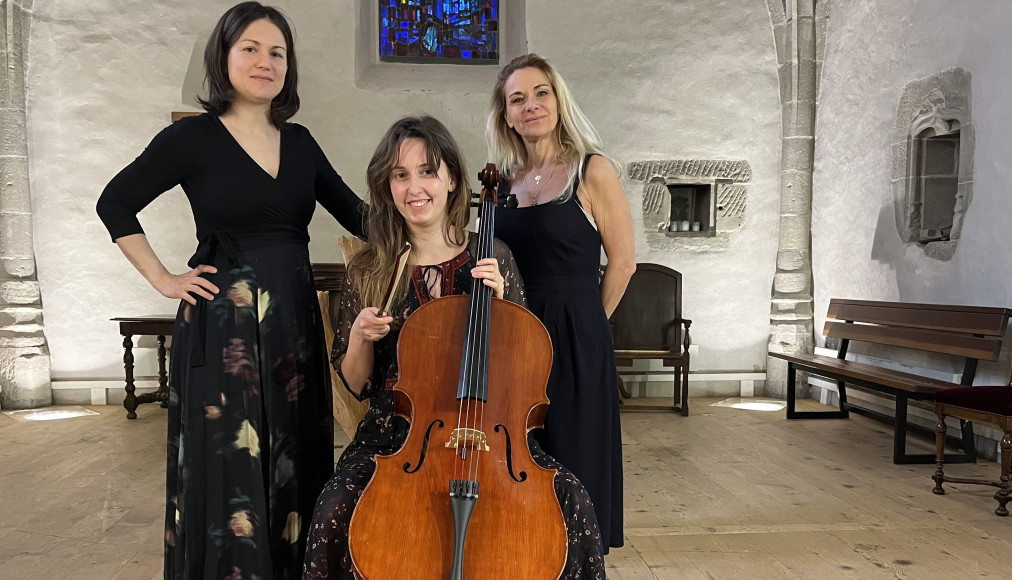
x=567, y=204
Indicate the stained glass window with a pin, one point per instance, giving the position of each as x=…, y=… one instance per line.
x=439, y=31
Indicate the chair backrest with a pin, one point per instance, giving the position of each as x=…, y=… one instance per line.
x=329, y=280
x=329, y=277
x=649, y=314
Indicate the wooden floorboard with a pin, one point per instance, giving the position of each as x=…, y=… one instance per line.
x=721, y=494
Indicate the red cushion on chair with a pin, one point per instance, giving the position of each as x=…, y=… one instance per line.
x=988, y=399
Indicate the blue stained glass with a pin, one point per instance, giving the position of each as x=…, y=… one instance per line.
x=429, y=40
x=464, y=31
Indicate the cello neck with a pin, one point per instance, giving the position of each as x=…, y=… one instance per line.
x=473, y=382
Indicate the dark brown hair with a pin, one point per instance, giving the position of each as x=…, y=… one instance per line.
x=220, y=92
x=371, y=269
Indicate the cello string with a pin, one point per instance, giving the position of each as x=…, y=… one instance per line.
x=481, y=336
x=486, y=320
x=458, y=468
x=473, y=376
x=469, y=379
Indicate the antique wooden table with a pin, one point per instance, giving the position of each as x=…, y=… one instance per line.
x=152, y=325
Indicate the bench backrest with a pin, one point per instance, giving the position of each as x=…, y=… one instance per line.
x=974, y=332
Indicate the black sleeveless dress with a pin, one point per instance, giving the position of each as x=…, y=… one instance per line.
x=558, y=252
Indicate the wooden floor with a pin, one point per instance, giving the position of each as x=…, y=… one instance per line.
x=724, y=493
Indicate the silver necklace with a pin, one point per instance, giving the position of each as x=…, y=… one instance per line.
x=537, y=181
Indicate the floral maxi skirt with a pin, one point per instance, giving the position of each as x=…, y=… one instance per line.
x=250, y=429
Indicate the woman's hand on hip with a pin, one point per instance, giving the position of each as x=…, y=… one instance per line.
x=187, y=285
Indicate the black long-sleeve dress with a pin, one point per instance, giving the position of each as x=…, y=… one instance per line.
x=250, y=431
x=381, y=432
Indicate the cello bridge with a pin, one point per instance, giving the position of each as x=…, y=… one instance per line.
x=472, y=438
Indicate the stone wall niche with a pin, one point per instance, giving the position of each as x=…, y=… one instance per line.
x=681, y=195
x=933, y=161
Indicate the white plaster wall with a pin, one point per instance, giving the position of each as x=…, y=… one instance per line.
x=659, y=79
x=874, y=48
x=683, y=80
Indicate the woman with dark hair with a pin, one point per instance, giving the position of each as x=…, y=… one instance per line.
x=417, y=193
x=568, y=204
x=250, y=442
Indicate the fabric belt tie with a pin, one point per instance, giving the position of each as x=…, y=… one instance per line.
x=218, y=249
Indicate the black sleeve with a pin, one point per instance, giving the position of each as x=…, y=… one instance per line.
x=335, y=196
x=160, y=167
x=513, y=289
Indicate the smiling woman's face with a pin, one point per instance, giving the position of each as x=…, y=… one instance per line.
x=419, y=191
x=532, y=109
x=258, y=62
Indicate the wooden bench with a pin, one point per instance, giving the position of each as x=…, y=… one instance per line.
x=970, y=333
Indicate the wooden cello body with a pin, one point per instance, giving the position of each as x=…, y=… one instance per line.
x=463, y=498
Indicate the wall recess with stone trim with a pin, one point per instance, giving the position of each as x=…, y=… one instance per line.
x=727, y=184
x=932, y=151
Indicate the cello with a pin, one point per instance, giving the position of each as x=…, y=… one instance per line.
x=463, y=497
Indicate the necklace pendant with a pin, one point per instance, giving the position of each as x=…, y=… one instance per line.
x=537, y=179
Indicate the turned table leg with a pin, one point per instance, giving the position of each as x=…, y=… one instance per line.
x=130, y=402
x=163, y=381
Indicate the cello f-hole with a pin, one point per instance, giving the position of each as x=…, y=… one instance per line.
x=425, y=448
x=509, y=455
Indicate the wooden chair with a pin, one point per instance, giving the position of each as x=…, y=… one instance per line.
x=648, y=324
x=329, y=280
x=985, y=404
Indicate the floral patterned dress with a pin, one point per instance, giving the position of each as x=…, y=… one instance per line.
x=381, y=432
x=250, y=429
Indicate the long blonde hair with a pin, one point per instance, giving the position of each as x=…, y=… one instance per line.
x=370, y=270
x=576, y=135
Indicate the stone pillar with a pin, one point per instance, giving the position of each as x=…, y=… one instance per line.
x=25, y=369
x=795, y=31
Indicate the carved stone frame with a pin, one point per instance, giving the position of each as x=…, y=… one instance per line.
x=731, y=179
x=934, y=104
